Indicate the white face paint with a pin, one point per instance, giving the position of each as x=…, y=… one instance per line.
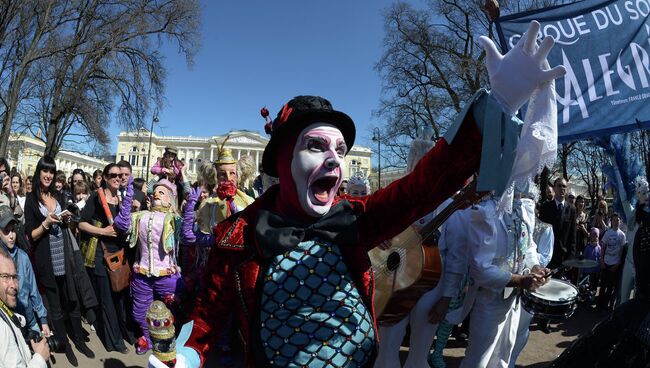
x=317, y=166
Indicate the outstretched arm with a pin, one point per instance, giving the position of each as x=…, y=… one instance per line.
x=190, y=236
x=514, y=77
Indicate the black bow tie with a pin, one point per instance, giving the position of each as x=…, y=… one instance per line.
x=276, y=235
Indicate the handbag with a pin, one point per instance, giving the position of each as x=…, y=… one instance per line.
x=117, y=268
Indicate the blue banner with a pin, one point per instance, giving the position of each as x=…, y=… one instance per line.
x=605, y=47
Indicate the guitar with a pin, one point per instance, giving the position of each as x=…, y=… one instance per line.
x=412, y=265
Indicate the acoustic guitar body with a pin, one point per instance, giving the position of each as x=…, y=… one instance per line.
x=403, y=273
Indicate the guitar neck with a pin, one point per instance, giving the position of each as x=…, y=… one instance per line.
x=441, y=217
x=461, y=200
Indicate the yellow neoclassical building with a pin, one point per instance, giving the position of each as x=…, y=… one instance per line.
x=134, y=147
x=24, y=151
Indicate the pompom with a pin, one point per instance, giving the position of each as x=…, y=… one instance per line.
x=264, y=112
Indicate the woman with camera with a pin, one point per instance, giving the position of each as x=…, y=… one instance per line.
x=66, y=286
x=99, y=241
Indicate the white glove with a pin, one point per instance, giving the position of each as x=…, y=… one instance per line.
x=515, y=75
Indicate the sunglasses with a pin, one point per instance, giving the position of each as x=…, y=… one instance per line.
x=115, y=175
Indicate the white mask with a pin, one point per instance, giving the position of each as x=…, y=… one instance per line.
x=317, y=167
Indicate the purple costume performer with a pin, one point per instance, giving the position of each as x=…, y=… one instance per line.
x=155, y=272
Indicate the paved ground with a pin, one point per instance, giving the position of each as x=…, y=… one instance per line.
x=540, y=351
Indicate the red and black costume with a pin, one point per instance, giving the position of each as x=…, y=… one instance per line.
x=239, y=258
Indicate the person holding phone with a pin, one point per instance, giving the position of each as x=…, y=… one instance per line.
x=63, y=282
x=97, y=230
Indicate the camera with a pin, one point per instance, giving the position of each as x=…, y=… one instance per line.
x=56, y=343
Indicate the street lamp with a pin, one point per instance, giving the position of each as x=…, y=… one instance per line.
x=376, y=137
x=154, y=120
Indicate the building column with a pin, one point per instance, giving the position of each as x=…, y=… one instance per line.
x=257, y=160
x=238, y=154
x=211, y=154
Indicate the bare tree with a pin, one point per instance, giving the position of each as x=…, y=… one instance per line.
x=110, y=60
x=432, y=62
x=587, y=161
x=23, y=27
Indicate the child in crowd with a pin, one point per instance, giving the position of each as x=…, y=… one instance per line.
x=613, y=243
x=30, y=304
x=593, y=252
x=81, y=193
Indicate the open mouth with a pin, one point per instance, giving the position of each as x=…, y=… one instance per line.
x=323, y=188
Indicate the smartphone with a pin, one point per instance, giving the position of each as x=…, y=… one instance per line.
x=64, y=213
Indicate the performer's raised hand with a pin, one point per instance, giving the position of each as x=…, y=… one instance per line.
x=194, y=195
x=515, y=75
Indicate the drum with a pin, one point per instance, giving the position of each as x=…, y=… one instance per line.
x=556, y=300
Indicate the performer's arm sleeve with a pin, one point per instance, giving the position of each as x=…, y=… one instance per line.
x=440, y=173
x=122, y=221
x=482, y=243
x=214, y=303
x=545, y=247
x=531, y=258
x=456, y=260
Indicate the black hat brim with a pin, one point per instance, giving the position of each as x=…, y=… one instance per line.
x=300, y=121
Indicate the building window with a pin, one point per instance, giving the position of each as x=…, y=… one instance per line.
x=133, y=160
x=134, y=149
x=144, y=161
x=122, y=158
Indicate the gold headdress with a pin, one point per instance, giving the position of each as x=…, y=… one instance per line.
x=224, y=155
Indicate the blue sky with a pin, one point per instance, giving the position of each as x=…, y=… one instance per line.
x=257, y=53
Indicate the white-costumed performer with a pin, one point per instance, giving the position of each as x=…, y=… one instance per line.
x=500, y=231
x=422, y=328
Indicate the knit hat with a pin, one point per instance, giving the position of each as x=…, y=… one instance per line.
x=594, y=231
x=297, y=114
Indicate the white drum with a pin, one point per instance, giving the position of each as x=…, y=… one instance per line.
x=553, y=301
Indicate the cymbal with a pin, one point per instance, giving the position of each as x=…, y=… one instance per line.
x=580, y=263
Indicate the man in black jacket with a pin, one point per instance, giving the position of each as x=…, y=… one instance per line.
x=562, y=215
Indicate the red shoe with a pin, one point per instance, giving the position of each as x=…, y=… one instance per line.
x=142, y=346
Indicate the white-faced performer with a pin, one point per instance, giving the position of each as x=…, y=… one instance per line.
x=294, y=265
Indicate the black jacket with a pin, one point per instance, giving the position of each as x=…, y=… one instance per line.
x=77, y=281
x=564, y=230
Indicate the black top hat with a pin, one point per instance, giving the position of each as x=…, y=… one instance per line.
x=298, y=114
